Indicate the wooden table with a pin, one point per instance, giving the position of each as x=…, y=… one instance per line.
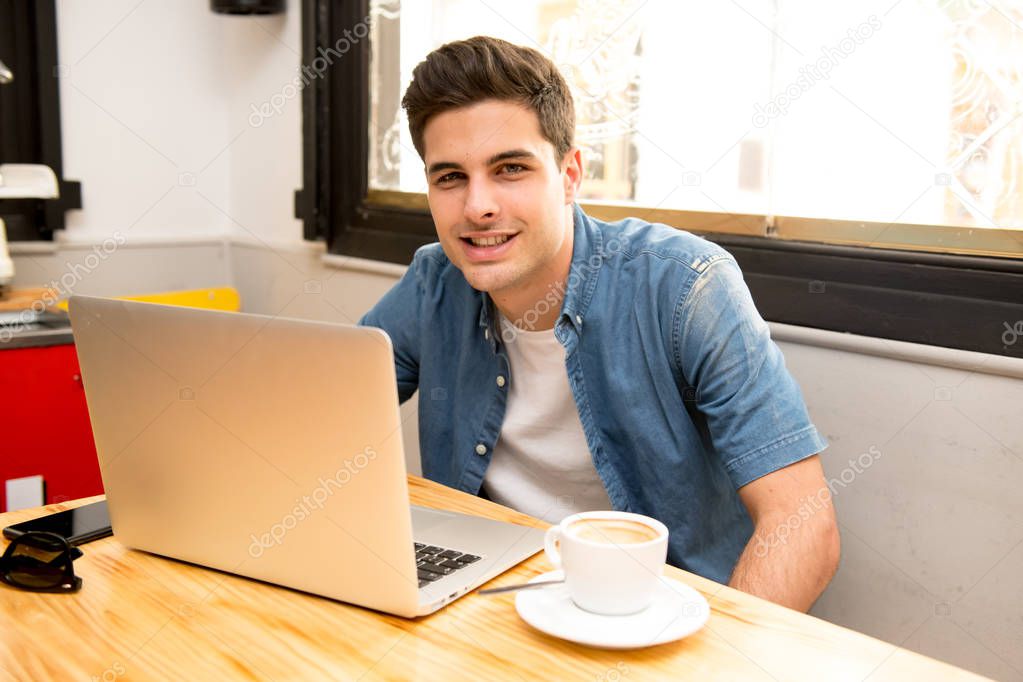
x=140, y=617
x=25, y=298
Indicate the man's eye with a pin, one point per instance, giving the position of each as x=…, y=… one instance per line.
x=448, y=178
x=513, y=168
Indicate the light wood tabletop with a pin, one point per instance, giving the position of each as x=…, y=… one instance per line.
x=143, y=617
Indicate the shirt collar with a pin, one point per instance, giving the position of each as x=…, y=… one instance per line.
x=587, y=259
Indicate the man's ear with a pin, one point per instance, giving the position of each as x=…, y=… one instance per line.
x=572, y=173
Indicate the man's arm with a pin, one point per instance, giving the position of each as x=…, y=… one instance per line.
x=759, y=425
x=795, y=547
x=397, y=313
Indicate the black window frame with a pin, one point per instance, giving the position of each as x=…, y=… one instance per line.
x=939, y=299
x=30, y=116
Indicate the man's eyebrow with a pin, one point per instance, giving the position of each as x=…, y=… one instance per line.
x=511, y=154
x=496, y=158
x=443, y=165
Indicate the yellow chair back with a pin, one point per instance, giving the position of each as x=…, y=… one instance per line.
x=216, y=298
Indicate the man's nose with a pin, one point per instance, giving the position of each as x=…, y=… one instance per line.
x=481, y=202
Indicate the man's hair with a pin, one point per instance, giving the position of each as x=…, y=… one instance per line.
x=467, y=72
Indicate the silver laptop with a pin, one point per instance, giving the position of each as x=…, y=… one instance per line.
x=272, y=448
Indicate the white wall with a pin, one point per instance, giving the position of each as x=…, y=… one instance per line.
x=932, y=527
x=137, y=267
x=155, y=109
x=150, y=91
x=156, y=100
x=144, y=114
x=262, y=56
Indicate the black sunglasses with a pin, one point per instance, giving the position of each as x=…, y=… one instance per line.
x=41, y=562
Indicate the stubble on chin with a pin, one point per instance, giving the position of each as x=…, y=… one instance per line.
x=495, y=281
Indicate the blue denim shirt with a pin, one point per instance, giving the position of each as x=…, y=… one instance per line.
x=682, y=395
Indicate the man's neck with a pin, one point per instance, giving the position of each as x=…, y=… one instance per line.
x=536, y=305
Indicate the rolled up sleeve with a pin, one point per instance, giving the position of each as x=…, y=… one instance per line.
x=754, y=409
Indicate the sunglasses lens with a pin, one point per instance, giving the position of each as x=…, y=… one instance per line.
x=37, y=562
x=32, y=574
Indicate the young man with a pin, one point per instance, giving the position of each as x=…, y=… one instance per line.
x=566, y=364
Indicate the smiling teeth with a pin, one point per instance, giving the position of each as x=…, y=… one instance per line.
x=489, y=241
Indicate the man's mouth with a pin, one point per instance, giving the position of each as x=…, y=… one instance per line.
x=481, y=248
x=488, y=241
x=494, y=240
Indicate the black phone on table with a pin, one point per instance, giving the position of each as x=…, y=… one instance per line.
x=83, y=524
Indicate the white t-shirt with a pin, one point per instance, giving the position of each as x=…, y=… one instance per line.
x=541, y=463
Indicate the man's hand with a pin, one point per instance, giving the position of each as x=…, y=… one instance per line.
x=795, y=547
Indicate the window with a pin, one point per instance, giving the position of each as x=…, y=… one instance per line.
x=30, y=115
x=862, y=161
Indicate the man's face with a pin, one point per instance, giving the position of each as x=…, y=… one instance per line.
x=498, y=197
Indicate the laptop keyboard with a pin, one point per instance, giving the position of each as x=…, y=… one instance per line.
x=433, y=563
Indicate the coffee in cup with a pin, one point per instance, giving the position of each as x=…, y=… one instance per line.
x=612, y=531
x=612, y=560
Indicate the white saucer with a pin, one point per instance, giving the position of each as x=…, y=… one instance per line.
x=677, y=611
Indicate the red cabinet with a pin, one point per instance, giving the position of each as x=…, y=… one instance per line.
x=45, y=423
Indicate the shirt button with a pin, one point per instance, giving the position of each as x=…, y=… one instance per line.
x=500, y=381
x=481, y=449
x=486, y=334
x=579, y=319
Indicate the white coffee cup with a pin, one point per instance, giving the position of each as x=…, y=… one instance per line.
x=612, y=560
